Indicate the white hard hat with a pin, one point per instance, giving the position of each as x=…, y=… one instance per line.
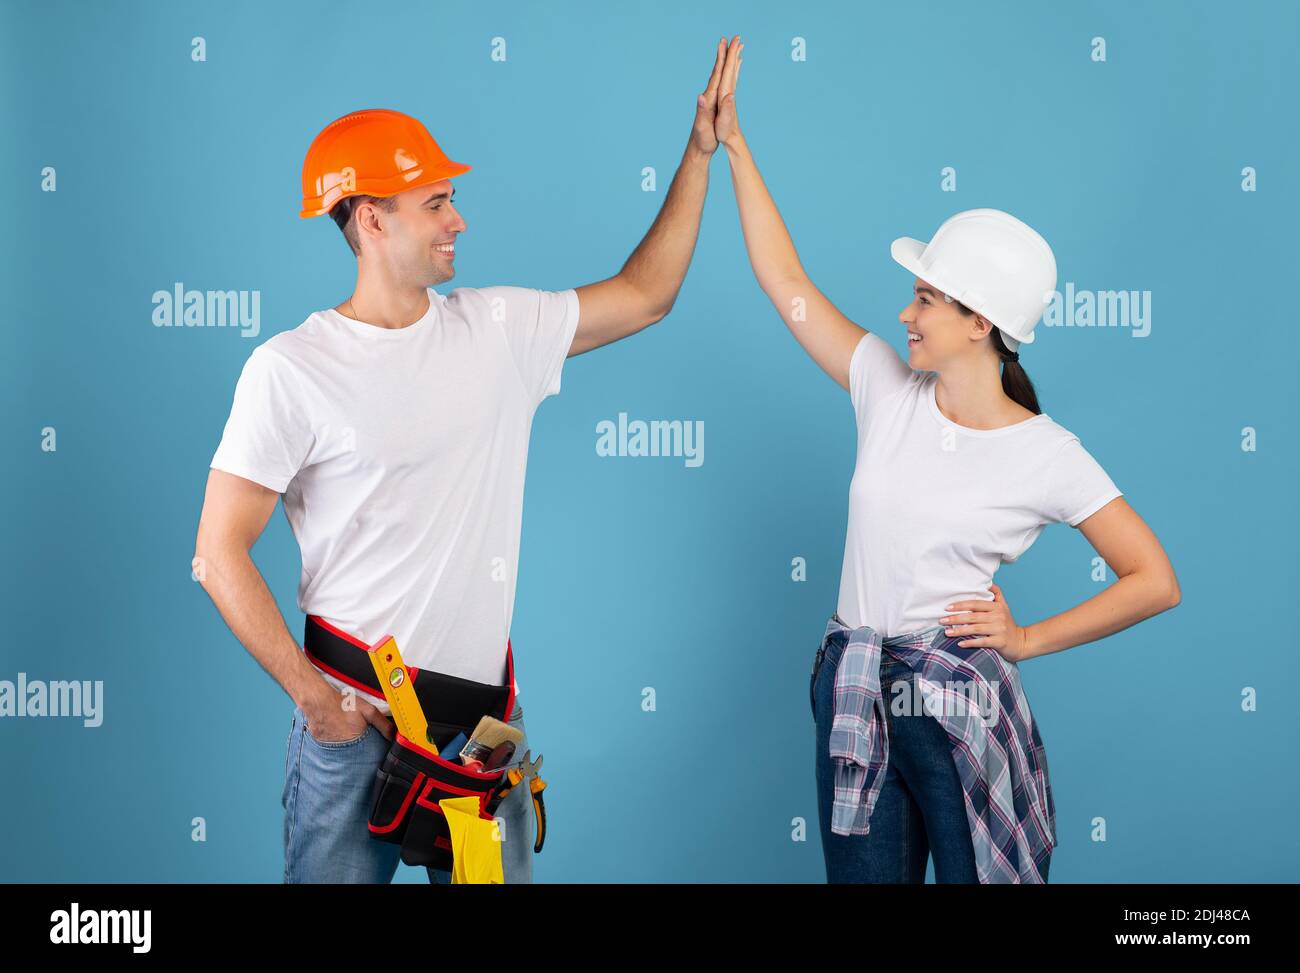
x=991, y=262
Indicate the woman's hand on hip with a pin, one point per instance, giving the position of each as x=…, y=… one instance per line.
x=983, y=624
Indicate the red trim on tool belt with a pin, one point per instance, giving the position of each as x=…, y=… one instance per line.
x=341, y=677
x=356, y=666
x=338, y=631
x=324, y=653
x=491, y=775
x=423, y=801
x=401, y=812
x=510, y=681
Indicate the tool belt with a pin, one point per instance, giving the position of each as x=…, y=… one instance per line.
x=412, y=779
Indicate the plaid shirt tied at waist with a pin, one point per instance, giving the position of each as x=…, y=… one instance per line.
x=976, y=696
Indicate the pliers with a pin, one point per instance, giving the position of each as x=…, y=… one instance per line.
x=527, y=770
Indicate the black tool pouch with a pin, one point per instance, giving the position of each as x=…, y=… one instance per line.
x=408, y=786
x=413, y=779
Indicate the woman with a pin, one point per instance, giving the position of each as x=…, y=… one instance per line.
x=958, y=469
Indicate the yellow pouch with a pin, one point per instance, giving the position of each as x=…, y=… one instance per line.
x=475, y=843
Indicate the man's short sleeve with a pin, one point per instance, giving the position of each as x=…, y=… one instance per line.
x=267, y=437
x=875, y=372
x=539, y=328
x=1077, y=485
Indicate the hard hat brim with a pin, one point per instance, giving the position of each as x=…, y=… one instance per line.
x=320, y=205
x=907, y=253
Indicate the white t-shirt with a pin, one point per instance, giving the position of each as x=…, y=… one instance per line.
x=401, y=456
x=934, y=506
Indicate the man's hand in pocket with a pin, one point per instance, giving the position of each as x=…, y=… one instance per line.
x=329, y=720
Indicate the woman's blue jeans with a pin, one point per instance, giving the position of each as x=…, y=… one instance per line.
x=327, y=792
x=921, y=810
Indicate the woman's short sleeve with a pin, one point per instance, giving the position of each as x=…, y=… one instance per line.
x=1078, y=486
x=875, y=372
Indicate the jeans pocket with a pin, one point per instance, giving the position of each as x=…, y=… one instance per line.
x=335, y=744
x=288, y=744
x=812, y=680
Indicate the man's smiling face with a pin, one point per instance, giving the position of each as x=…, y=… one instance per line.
x=417, y=238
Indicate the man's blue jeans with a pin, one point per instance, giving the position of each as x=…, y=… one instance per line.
x=326, y=799
x=921, y=809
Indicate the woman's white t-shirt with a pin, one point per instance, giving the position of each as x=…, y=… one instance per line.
x=934, y=507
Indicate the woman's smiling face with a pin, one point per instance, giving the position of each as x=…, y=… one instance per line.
x=936, y=331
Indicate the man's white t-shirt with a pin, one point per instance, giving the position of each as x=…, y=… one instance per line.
x=934, y=506
x=401, y=455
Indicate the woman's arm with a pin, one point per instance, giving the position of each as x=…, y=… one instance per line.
x=1145, y=584
x=826, y=334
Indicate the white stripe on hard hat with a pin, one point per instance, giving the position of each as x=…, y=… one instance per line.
x=993, y=263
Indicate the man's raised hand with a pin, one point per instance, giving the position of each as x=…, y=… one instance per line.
x=706, y=105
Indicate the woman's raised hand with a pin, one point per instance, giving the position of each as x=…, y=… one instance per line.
x=726, y=125
x=726, y=67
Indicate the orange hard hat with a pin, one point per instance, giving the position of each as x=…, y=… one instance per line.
x=375, y=152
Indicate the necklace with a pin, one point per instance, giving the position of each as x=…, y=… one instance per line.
x=353, y=310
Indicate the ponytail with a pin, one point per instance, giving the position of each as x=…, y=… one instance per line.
x=1015, y=382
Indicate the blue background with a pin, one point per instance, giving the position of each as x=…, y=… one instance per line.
x=642, y=572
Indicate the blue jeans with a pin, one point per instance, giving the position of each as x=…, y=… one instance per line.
x=326, y=799
x=921, y=810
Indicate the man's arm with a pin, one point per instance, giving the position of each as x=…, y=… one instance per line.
x=235, y=512
x=645, y=289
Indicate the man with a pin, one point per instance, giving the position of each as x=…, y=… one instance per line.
x=396, y=426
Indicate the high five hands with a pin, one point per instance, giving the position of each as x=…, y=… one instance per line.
x=715, y=108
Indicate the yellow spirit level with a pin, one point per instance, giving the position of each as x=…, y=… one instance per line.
x=399, y=689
